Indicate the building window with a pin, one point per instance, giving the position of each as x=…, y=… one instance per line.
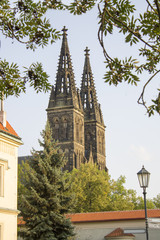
x=56, y=126
x=65, y=128
x=1, y=180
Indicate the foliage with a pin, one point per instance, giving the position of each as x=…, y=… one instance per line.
x=47, y=197
x=156, y=201
x=139, y=204
x=120, y=197
x=26, y=22
x=142, y=29
x=91, y=187
x=95, y=191
x=23, y=169
x=138, y=28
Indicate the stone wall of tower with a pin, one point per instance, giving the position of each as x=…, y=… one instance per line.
x=95, y=142
x=65, y=124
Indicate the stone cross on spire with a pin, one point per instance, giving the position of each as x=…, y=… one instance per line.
x=64, y=30
x=87, y=51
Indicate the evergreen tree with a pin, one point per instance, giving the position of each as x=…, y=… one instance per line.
x=48, y=197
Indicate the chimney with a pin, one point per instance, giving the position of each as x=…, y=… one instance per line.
x=2, y=114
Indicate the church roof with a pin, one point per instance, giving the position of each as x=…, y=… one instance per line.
x=8, y=129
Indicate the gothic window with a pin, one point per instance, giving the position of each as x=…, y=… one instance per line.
x=56, y=129
x=85, y=83
x=77, y=131
x=68, y=80
x=67, y=61
x=91, y=104
x=65, y=128
x=62, y=85
x=100, y=142
x=81, y=132
x=85, y=100
x=75, y=158
x=63, y=62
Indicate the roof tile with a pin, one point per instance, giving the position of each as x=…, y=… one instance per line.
x=118, y=232
x=112, y=216
x=8, y=129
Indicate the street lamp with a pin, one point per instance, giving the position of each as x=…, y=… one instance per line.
x=143, y=177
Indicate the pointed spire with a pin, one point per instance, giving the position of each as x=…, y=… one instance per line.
x=88, y=91
x=65, y=77
x=65, y=92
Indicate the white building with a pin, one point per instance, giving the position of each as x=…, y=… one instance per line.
x=9, y=143
x=124, y=225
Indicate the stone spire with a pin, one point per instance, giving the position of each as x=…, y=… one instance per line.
x=65, y=92
x=88, y=92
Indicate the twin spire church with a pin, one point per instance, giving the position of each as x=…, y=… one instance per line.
x=75, y=116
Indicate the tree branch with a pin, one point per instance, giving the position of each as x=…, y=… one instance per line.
x=141, y=98
x=100, y=38
x=129, y=29
x=151, y=6
x=158, y=9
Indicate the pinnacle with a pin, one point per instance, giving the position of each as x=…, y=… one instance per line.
x=64, y=30
x=87, y=51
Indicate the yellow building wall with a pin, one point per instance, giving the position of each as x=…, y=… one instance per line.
x=8, y=201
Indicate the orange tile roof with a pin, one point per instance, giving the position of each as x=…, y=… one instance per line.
x=8, y=129
x=107, y=216
x=118, y=232
x=112, y=216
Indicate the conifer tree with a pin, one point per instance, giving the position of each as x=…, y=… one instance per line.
x=47, y=200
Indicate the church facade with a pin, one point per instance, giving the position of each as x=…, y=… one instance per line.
x=75, y=115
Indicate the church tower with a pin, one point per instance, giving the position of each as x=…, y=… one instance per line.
x=94, y=127
x=65, y=111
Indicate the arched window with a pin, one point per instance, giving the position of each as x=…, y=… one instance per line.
x=85, y=100
x=77, y=131
x=56, y=128
x=81, y=132
x=67, y=66
x=65, y=125
x=68, y=81
x=63, y=62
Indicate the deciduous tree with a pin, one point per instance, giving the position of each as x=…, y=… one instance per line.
x=95, y=191
x=91, y=187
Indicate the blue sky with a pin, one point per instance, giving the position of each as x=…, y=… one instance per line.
x=132, y=139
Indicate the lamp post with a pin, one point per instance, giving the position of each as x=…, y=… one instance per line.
x=143, y=177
